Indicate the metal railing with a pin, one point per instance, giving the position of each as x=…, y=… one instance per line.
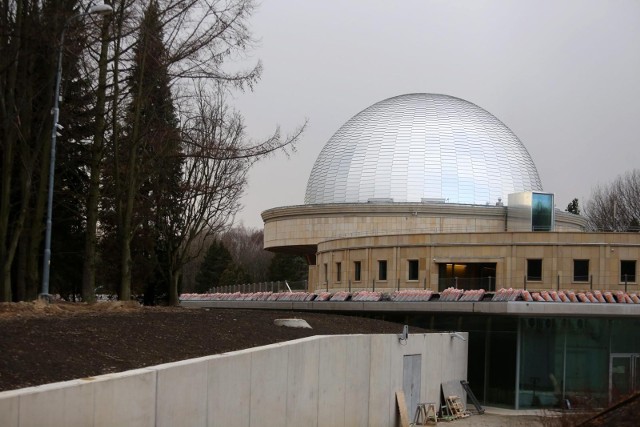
x=487, y=283
x=278, y=286
x=586, y=282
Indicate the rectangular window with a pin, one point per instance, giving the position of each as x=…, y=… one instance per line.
x=413, y=269
x=357, y=270
x=326, y=273
x=534, y=270
x=338, y=271
x=627, y=271
x=580, y=270
x=382, y=270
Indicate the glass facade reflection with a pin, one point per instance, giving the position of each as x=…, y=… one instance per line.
x=542, y=212
x=531, y=211
x=582, y=361
x=564, y=360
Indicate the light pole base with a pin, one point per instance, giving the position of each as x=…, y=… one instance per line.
x=46, y=298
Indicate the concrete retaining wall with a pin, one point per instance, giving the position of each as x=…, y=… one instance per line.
x=343, y=380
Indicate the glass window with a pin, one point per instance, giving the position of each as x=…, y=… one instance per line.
x=628, y=271
x=580, y=270
x=413, y=269
x=534, y=270
x=357, y=266
x=338, y=271
x=382, y=270
x=326, y=273
x=542, y=212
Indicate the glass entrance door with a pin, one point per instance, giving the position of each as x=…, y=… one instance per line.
x=624, y=375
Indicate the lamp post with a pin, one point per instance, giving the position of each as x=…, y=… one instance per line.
x=99, y=9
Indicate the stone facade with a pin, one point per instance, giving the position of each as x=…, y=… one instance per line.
x=509, y=251
x=335, y=237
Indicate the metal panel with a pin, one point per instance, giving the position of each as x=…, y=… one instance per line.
x=411, y=380
x=422, y=146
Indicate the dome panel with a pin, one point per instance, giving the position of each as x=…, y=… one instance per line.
x=422, y=146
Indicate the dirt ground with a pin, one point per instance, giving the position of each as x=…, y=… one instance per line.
x=42, y=343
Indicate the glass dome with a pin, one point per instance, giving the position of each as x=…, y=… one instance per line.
x=422, y=147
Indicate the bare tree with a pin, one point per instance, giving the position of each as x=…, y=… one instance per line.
x=199, y=37
x=246, y=246
x=217, y=157
x=616, y=207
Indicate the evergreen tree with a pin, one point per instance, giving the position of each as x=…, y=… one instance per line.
x=215, y=263
x=288, y=267
x=148, y=198
x=234, y=275
x=138, y=190
x=30, y=44
x=573, y=207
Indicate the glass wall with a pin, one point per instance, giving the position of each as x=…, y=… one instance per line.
x=542, y=212
x=566, y=361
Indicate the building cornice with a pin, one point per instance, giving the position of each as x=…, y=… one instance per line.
x=380, y=209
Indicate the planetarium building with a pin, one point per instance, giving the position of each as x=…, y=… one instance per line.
x=432, y=191
x=428, y=192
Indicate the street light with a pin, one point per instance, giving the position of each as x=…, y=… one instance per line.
x=98, y=9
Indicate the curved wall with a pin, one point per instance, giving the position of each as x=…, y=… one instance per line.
x=299, y=229
x=509, y=251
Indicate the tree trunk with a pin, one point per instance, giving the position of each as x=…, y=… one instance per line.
x=126, y=225
x=36, y=225
x=7, y=169
x=21, y=271
x=125, y=265
x=9, y=64
x=174, y=280
x=93, y=197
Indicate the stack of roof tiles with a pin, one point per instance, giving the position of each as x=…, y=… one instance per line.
x=366, y=296
x=408, y=295
x=472, y=295
x=507, y=294
x=451, y=294
x=340, y=296
x=292, y=296
x=323, y=296
x=411, y=295
x=615, y=297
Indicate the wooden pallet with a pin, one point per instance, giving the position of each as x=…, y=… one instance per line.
x=456, y=409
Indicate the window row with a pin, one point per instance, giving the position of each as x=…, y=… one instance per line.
x=412, y=270
x=581, y=270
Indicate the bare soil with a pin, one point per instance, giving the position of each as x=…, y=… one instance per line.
x=43, y=343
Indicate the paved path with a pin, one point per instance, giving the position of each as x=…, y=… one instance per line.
x=496, y=420
x=499, y=417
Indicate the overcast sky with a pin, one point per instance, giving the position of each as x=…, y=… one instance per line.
x=564, y=76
